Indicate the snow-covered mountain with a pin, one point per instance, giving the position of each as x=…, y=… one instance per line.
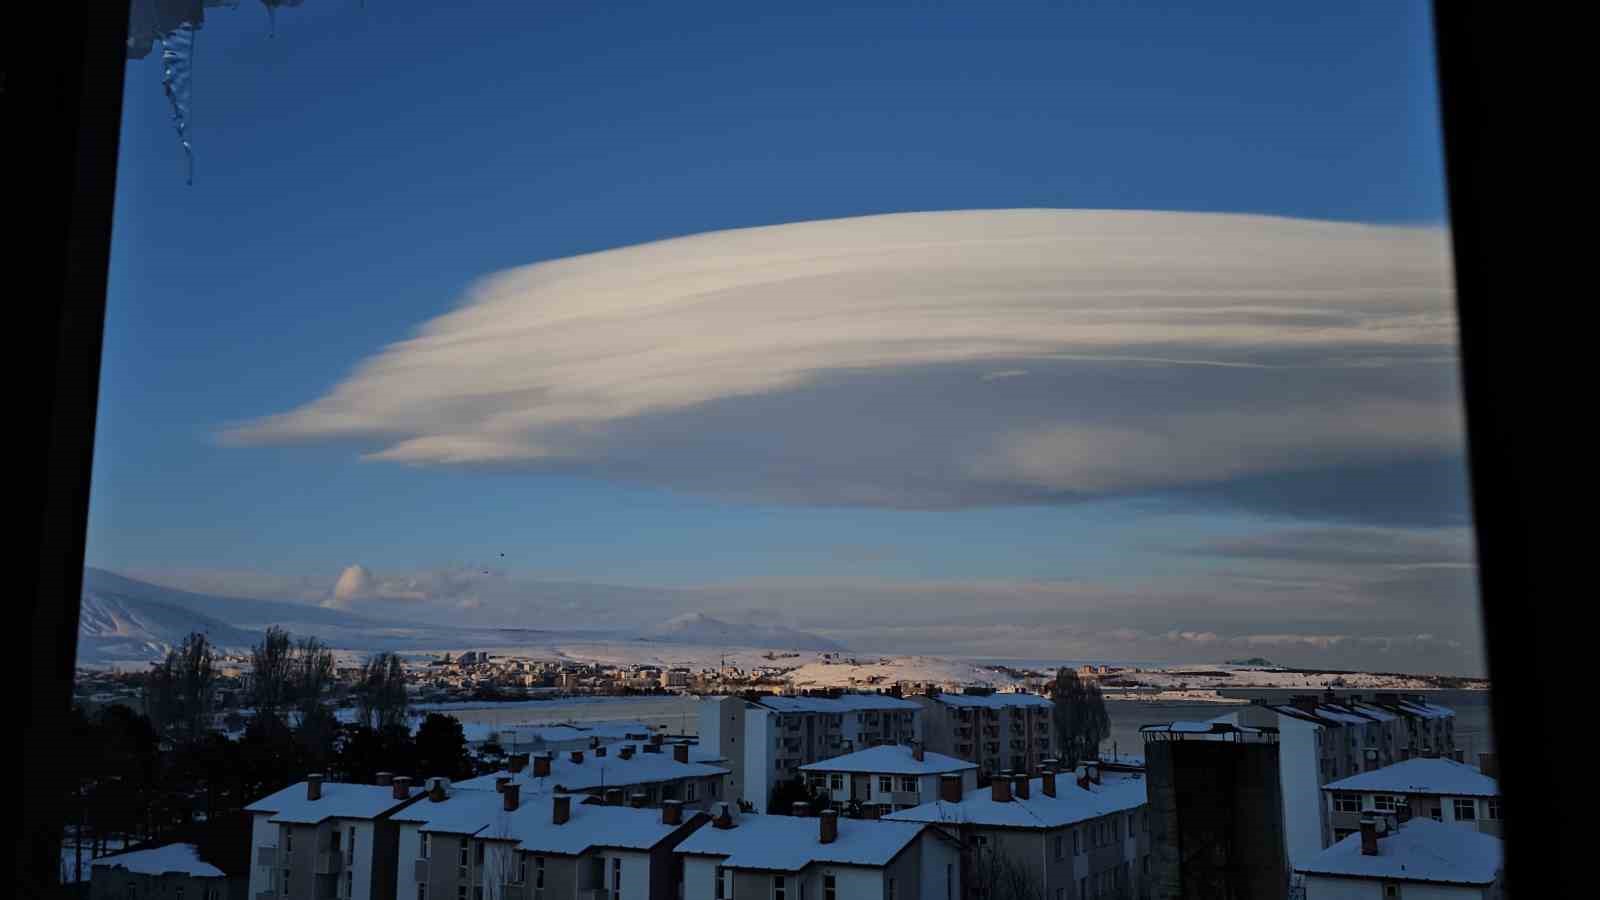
x=699, y=628
x=118, y=629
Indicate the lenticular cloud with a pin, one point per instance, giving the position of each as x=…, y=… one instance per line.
x=930, y=359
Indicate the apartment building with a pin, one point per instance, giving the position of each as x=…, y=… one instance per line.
x=320, y=839
x=650, y=773
x=822, y=857
x=721, y=733
x=474, y=844
x=997, y=731
x=784, y=733
x=176, y=870
x=1420, y=858
x=1076, y=834
x=1323, y=738
x=887, y=778
x=1425, y=788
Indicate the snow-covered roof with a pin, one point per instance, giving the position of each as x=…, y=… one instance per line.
x=1422, y=776
x=790, y=843
x=532, y=824
x=1117, y=792
x=1426, y=709
x=339, y=800
x=841, y=704
x=561, y=733
x=184, y=858
x=1420, y=850
x=890, y=759
x=610, y=770
x=992, y=701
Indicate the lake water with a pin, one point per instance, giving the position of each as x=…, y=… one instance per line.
x=677, y=715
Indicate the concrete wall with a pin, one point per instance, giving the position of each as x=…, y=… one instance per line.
x=1421, y=806
x=262, y=834
x=722, y=730
x=1216, y=825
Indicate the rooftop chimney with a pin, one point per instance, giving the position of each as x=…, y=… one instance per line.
x=1020, y=787
x=1051, y=765
x=1369, y=836
x=916, y=751
x=950, y=787
x=614, y=796
x=599, y=751
x=509, y=795
x=1047, y=782
x=541, y=766
x=1489, y=764
x=517, y=763
x=626, y=752
x=402, y=787
x=500, y=782
x=656, y=739
x=636, y=800
x=313, y=787
x=680, y=752
x=1094, y=772
x=385, y=779
x=671, y=812
x=561, y=809
x=1083, y=776
x=828, y=831
x=801, y=809
x=724, y=818
x=1460, y=755
x=577, y=756
x=1000, y=788
x=436, y=790
x=653, y=746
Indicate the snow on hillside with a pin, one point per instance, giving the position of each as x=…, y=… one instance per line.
x=867, y=672
x=120, y=631
x=699, y=628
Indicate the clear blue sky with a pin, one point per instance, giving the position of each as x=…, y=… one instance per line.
x=359, y=169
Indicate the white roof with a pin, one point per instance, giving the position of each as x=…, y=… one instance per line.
x=1420, y=850
x=1117, y=792
x=183, y=858
x=992, y=701
x=890, y=759
x=610, y=770
x=1426, y=709
x=532, y=825
x=1422, y=776
x=790, y=843
x=837, y=705
x=339, y=800
x=565, y=733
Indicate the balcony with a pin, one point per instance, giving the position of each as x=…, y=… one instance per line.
x=266, y=856
x=329, y=862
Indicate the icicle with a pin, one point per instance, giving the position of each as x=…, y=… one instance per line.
x=177, y=61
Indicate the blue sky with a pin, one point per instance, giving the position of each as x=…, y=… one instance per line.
x=360, y=169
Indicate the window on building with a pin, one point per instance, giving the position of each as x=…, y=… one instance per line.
x=425, y=843
x=688, y=792
x=477, y=892
x=1436, y=813
x=1061, y=846
x=890, y=895
x=461, y=857
x=461, y=892
x=478, y=857
x=1383, y=803
x=908, y=784
x=1347, y=803
x=885, y=784
x=349, y=882
x=178, y=892
x=616, y=878
x=288, y=841
x=1391, y=891
x=722, y=883
x=777, y=887
x=950, y=882
x=422, y=890
x=538, y=872
x=1083, y=889
x=522, y=869
x=1466, y=809
x=830, y=888
x=1492, y=808
x=1077, y=841
x=286, y=882
x=836, y=782
x=350, y=842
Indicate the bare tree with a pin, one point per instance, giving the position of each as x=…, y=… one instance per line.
x=271, y=674
x=501, y=862
x=311, y=675
x=1080, y=716
x=1005, y=877
x=381, y=695
x=178, y=690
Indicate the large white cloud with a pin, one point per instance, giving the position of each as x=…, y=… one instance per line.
x=931, y=359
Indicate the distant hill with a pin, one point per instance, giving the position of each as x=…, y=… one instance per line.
x=700, y=628
x=118, y=628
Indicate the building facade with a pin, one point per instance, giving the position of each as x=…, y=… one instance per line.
x=1389, y=860
x=996, y=731
x=784, y=733
x=327, y=840
x=650, y=773
x=886, y=778
x=1422, y=788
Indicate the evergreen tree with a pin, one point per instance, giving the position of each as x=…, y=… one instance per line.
x=442, y=748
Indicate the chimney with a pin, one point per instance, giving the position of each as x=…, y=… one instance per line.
x=599, y=751
x=577, y=756
x=402, y=787
x=1047, y=782
x=636, y=800
x=509, y=795
x=1369, y=836
x=724, y=818
x=626, y=752
x=541, y=766
x=950, y=787
x=385, y=779
x=653, y=746
x=1051, y=765
x=517, y=763
x=436, y=790
x=1460, y=756
x=313, y=787
x=1020, y=787
x=1000, y=788
x=680, y=752
x=801, y=809
x=656, y=739
x=614, y=796
x=561, y=809
x=671, y=812
x=1094, y=772
x=1489, y=764
x=828, y=832
x=916, y=751
x=500, y=782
